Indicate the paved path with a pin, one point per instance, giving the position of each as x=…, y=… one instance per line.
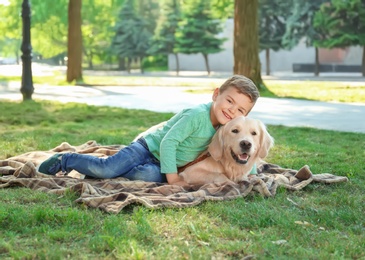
x=274, y=111
x=289, y=112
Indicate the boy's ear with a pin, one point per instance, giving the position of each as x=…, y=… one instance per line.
x=215, y=94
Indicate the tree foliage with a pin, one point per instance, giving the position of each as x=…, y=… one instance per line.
x=11, y=29
x=300, y=26
x=198, y=30
x=163, y=40
x=49, y=24
x=149, y=10
x=341, y=24
x=99, y=18
x=49, y=27
x=132, y=37
x=272, y=22
x=222, y=9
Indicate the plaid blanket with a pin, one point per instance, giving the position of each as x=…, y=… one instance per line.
x=112, y=195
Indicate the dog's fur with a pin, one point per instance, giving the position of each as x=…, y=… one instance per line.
x=234, y=149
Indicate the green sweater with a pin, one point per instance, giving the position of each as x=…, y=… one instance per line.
x=183, y=138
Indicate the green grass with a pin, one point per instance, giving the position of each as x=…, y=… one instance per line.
x=319, y=90
x=36, y=225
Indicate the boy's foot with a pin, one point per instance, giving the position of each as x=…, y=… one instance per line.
x=52, y=165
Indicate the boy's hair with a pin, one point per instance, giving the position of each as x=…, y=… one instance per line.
x=244, y=85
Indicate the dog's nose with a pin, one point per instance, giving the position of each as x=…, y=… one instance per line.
x=245, y=144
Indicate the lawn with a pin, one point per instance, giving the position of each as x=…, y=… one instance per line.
x=319, y=222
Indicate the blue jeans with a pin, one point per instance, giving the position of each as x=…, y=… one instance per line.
x=134, y=162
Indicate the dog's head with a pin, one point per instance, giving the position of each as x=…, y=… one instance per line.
x=241, y=140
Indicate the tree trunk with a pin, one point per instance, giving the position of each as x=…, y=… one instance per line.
x=206, y=62
x=91, y=64
x=267, y=51
x=177, y=64
x=246, y=41
x=363, y=62
x=90, y=60
x=17, y=56
x=129, y=63
x=141, y=64
x=121, y=63
x=316, y=66
x=74, y=44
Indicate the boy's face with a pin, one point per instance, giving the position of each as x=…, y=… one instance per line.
x=228, y=105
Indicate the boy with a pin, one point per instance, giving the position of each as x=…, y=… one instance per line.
x=156, y=156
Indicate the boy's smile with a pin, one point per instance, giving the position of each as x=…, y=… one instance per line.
x=228, y=105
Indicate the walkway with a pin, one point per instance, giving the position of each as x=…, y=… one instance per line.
x=272, y=111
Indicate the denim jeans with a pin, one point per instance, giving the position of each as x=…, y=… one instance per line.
x=134, y=162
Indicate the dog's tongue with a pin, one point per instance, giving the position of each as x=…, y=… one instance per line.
x=243, y=156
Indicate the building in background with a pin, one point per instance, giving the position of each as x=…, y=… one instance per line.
x=299, y=59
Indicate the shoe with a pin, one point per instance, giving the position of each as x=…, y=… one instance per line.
x=52, y=165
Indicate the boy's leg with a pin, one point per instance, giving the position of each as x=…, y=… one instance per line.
x=148, y=172
x=114, y=166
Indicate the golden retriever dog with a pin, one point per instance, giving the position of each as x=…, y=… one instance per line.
x=232, y=153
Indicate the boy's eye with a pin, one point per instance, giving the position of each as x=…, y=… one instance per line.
x=235, y=131
x=229, y=100
x=241, y=111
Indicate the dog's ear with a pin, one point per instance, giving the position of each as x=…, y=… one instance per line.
x=215, y=147
x=266, y=141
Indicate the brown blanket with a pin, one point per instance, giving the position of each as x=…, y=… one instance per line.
x=112, y=195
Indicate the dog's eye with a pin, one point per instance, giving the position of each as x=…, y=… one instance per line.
x=235, y=131
x=253, y=133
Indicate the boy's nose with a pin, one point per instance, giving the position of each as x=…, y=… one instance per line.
x=233, y=110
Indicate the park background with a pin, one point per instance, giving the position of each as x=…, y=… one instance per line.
x=319, y=222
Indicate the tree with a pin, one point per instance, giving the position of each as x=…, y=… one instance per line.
x=74, y=46
x=163, y=41
x=149, y=10
x=132, y=37
x=272, y=21
x=120, y=34
x=300, y=25
x=222, y=9
x=341, y=24
x=246, y=41
x=11, y=29
x=197, y=31
x=99, y=18
x=49, y=27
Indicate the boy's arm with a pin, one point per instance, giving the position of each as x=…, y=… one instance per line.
x=175, y=179
x=181, y=130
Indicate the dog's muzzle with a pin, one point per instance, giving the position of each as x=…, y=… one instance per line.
x=243, y=157
x=240, y=158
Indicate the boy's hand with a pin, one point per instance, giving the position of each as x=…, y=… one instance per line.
x=175, y=179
